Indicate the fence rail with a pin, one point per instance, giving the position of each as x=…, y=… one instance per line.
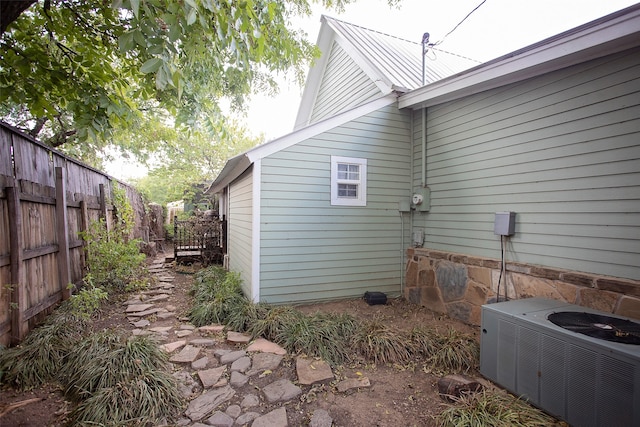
x=46, y=200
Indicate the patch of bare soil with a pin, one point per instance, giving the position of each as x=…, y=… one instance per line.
x=399, y=396
x=44, y=406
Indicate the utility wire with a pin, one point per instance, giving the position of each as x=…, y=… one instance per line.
x=459, y=23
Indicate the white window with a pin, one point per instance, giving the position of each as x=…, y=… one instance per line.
x=348, y=181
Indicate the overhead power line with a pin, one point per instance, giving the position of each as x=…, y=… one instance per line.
x=459, y=23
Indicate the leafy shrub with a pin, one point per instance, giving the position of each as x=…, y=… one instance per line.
x=112, y=261
x=88, y=300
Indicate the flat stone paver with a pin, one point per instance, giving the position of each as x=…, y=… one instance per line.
x=233, y=411
x=249, y=401
x=246, y=418
x=137, y=307
x=210, y=377
x=232, y=356
x=281, y=391
x=264, y=362
x=238, y=379
x=173, y=346
x=266, y=346
x=186, y=355
x=205, y=404
x=220, y=419
x=311, y=371
x=241, y=365
x=275, y=418
x=160, y=329
x=321, y=418
x=182, y=334
x=145, y=312
x=200, y=363
x=238, y=338
x=165, y=315
x=141, y=323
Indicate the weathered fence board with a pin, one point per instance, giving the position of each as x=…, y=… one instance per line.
x=46, y=201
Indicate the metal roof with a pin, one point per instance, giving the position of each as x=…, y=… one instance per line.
x=397, y=60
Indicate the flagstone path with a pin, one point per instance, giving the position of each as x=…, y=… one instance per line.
x=228, y=378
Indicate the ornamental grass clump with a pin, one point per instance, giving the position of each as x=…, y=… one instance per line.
x=120, y=380
x=454, y=351
x=379, y=343
x=39, y=358
x=322, y=335
x=492, y=408
x=272, y=320
x=217, y=296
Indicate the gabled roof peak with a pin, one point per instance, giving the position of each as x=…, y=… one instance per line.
x=331, y=18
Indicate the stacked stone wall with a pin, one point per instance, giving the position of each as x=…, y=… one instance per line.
x=459, y=285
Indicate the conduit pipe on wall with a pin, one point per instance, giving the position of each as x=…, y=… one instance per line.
x=424, y=147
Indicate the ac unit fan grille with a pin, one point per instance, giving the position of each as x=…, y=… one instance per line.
x=598, y=326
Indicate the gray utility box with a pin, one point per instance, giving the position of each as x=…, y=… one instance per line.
x=505, y=224
x=584, y=380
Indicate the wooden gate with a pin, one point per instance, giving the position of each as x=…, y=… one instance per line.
x=197, y=239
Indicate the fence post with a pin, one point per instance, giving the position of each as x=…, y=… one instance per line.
x=62, y=232
x=103, y=204
x=18, y=326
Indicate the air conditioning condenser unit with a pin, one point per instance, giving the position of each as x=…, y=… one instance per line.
x=577, y=364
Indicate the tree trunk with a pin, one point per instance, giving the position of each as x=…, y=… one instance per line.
x=10, y=10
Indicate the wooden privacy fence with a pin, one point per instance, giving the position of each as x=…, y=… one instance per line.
x=46, y=200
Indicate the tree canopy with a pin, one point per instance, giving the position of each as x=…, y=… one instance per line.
x=81, y=76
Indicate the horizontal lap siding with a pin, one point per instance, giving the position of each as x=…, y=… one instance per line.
x=562, y=150
x=344, y=86
x=239, y=229
x=313, y=251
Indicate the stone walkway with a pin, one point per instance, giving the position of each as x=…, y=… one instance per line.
x=228, y=379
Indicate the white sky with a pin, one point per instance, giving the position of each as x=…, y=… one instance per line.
x=494, y=29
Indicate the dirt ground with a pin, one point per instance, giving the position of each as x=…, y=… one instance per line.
x=399, y=395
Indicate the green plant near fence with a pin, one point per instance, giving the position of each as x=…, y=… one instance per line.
x=113, y=260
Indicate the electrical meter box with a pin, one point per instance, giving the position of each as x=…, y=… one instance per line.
x=505, y=224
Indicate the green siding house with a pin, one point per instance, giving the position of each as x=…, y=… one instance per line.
x=551, y=132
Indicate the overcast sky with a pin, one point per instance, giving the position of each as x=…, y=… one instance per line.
x=496, y=28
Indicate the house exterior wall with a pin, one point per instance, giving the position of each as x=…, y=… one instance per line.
x=239, y=229
x=344, y=86
x=311, y=250
x=562, y=150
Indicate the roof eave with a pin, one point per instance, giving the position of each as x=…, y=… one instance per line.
x=232, y=169
x=613, y=33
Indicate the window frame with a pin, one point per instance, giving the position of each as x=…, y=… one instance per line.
x=361, y=199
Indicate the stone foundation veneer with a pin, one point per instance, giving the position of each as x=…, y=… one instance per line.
x=459, y=285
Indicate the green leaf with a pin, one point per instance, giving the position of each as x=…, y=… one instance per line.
x=191, y=17
x=126, y=42
x=135, y=7
x=151, y=66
